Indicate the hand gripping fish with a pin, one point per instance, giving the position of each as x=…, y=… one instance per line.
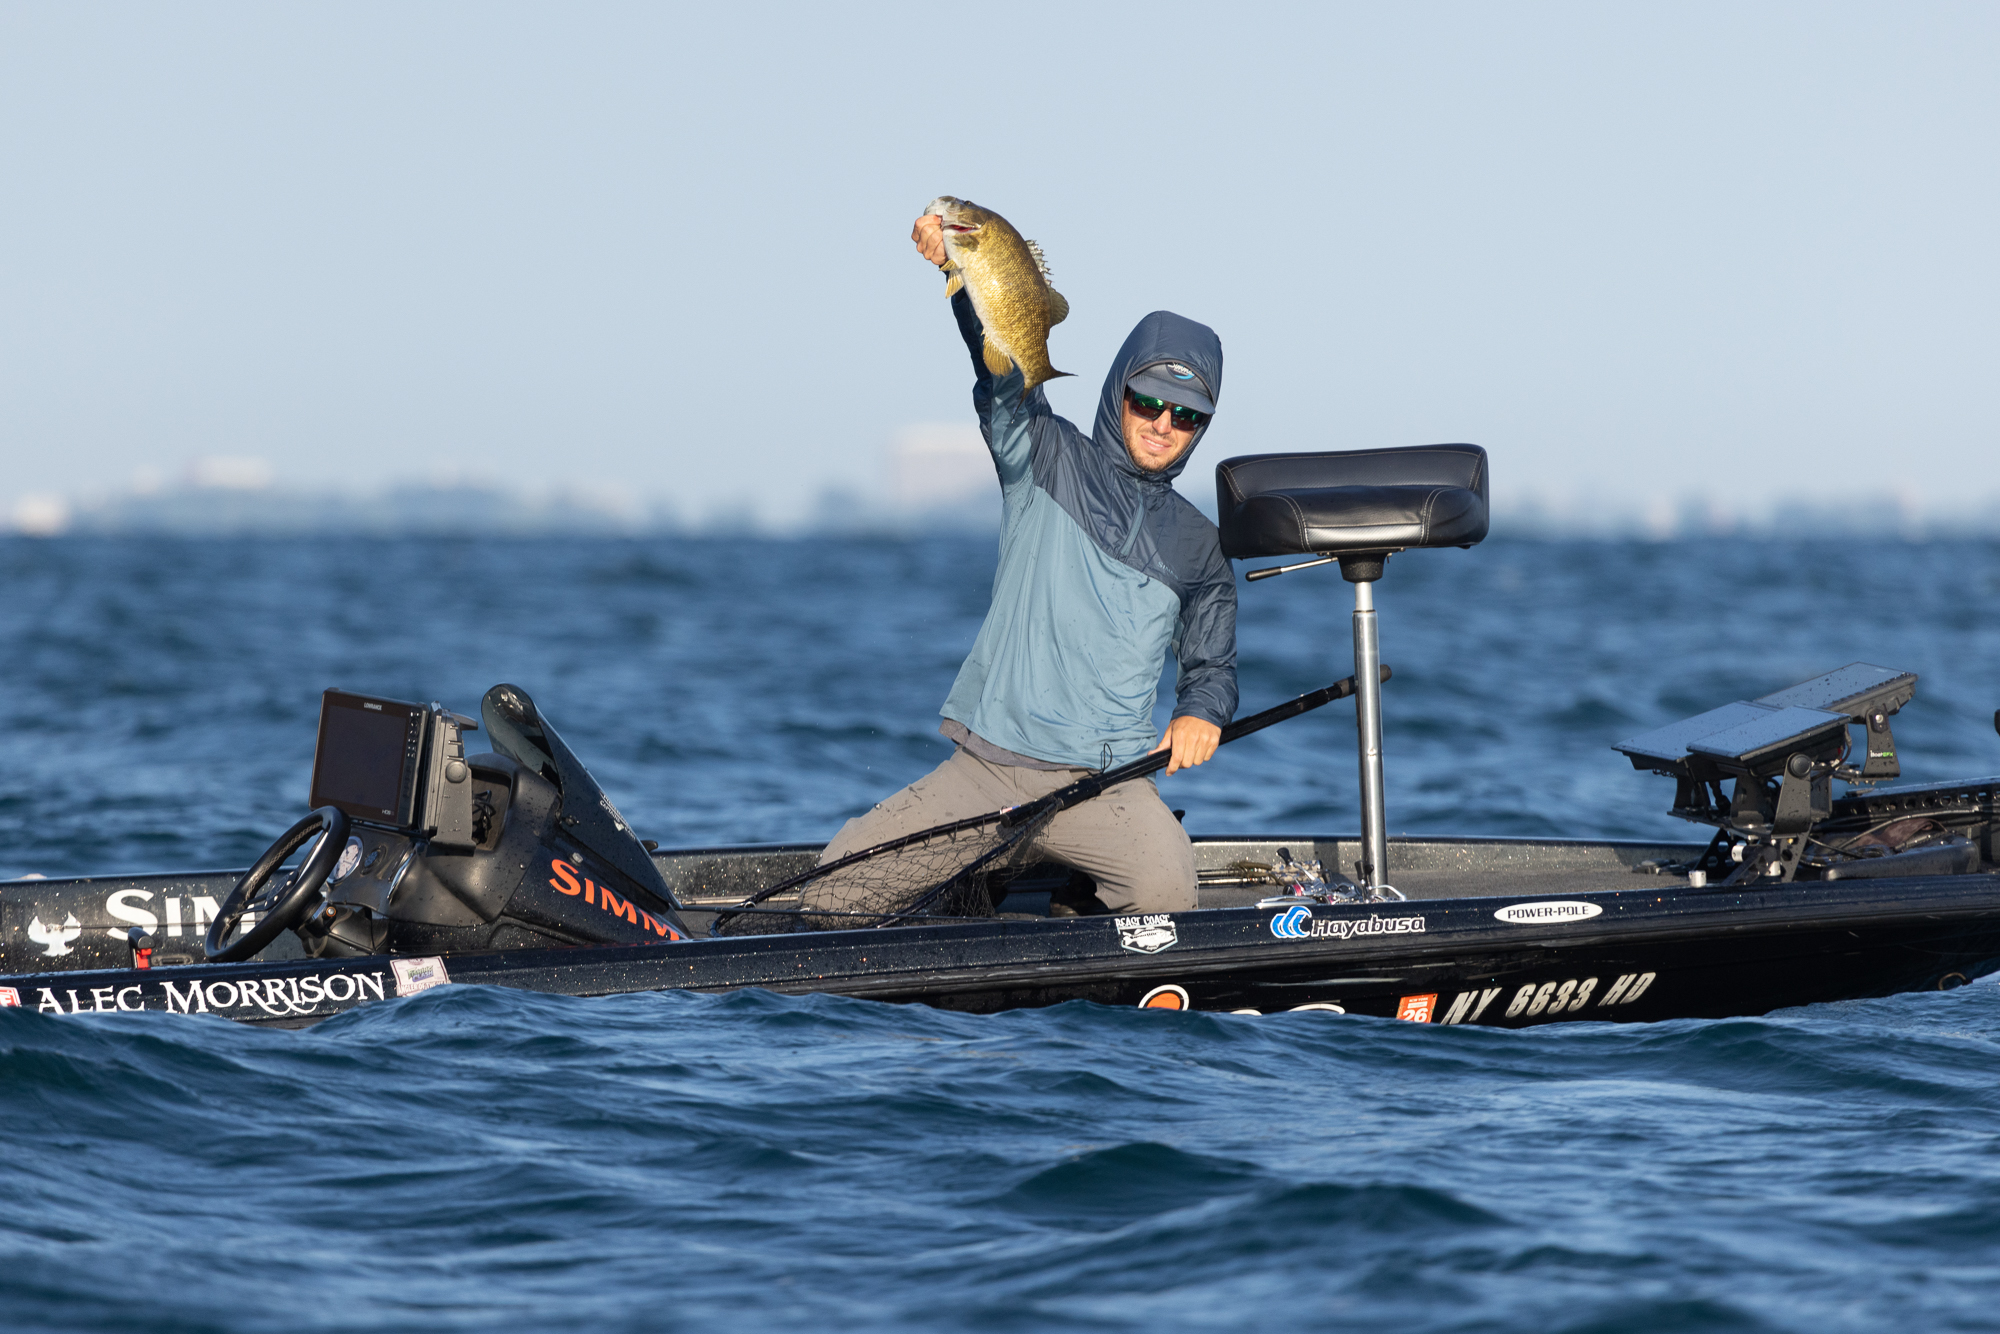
x=1008, y=281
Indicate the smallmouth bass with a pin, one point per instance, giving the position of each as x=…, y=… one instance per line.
x=1008, y=281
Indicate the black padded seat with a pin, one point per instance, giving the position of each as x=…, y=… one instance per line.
x=1355, y=500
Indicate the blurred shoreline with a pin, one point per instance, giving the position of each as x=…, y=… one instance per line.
x=196, y=510
x=927, y=478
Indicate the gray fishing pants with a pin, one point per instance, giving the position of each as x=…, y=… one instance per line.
x=1126, y=838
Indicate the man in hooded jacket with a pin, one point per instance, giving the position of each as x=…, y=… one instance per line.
x=1104, y=567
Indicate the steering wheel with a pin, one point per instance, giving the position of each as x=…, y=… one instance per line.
x=283, y=905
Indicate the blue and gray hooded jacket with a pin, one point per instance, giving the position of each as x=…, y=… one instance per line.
x=1103, y=567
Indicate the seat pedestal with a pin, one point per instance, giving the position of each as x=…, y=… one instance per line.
x=1374, y=867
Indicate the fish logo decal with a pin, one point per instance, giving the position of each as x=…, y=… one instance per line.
x=54, y=939
x=1178, y=371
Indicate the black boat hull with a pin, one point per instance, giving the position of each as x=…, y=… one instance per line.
x=1660, y=950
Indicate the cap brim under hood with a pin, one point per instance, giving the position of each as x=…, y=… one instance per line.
x=1175, y=382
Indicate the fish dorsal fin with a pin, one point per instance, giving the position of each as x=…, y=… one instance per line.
x=996, y=361
x=1058, y=307
x=1041, y=260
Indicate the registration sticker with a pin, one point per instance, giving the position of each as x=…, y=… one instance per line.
x=1416, y=1009
x=9, y=996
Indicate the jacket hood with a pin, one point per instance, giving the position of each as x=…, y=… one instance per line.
x=1161, y=336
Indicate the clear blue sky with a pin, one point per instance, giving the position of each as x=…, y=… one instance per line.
x=1637, y=251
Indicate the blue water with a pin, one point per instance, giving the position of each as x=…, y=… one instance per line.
x=468, y=1158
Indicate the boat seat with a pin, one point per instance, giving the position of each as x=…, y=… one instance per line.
x=1359, y=507
x=1352, y=501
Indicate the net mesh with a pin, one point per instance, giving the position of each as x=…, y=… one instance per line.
x=949, y=871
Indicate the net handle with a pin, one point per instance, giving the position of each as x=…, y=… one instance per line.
x=1083, y=789
x=1063, y=798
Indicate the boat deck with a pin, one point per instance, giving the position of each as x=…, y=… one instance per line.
x=707, y=879
x=1421, y=868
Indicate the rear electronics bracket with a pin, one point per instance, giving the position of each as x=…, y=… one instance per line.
x=1783, y=751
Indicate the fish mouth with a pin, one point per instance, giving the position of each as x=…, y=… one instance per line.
x=950, y=210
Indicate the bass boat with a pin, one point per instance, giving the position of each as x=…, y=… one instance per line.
x=422, y=865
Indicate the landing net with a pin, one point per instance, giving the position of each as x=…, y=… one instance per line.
x=948, y=871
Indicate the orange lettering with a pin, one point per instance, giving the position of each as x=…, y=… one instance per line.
x=589, y=892
x=617, y=907
x=565, y=881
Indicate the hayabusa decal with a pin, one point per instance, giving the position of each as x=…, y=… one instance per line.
x=1298, y=923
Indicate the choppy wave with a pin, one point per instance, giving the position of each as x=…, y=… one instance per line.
x=472, y=1156
x=162, y=693
x=469, y=1158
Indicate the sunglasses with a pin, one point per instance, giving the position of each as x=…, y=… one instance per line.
x=1149, y=409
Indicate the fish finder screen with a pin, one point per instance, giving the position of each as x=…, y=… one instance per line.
x=367, y=757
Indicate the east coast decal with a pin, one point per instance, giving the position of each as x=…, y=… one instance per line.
x=1147, y=934
x=1298, y=923
x=1544, y=914
x=603, y=899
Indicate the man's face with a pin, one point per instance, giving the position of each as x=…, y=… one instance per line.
x=1154, y=444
